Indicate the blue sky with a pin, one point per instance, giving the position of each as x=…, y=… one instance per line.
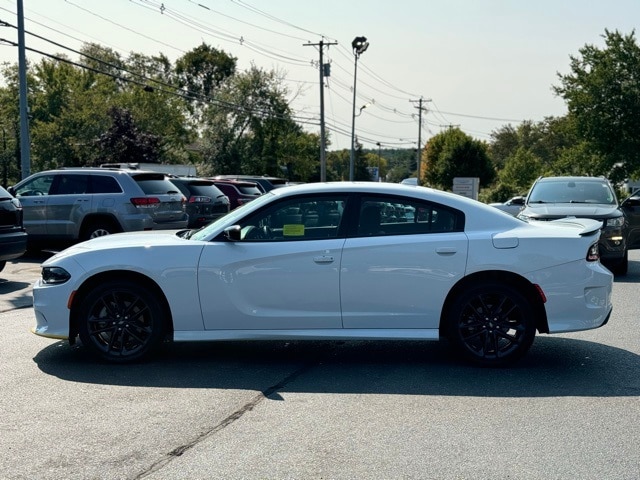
x=478, y=64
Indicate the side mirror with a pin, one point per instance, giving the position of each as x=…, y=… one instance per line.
x=233, y=233
x=12, y=191
x=631, y=202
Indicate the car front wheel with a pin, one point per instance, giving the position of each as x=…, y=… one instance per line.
x=492, y=324
x=121, y=321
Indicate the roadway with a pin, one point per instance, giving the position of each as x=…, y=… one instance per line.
x=339, y=410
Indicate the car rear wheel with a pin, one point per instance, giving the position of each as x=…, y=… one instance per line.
x=492, y=324
x=98, y=228
x=121, y=321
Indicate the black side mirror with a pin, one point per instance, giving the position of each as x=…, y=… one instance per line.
x=631, y=202
x=232, y=233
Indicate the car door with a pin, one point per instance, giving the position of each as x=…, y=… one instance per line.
x=397, y=274
x=68, y=203
x=281, y=274
x=631, y=209
x=33, y=194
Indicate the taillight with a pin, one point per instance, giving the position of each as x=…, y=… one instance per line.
x=145, y=202
x=200, y=199
x=593, y=254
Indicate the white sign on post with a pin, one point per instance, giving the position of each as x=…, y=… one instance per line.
x=466, y=186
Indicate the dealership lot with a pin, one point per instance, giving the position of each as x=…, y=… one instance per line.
x=570, y=409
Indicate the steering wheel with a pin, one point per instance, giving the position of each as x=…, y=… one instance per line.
x=259, y=233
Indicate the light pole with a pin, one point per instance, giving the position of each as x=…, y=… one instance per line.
x=379, y=160
x=359, y=46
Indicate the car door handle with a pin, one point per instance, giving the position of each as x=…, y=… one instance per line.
x=323, y=259
x=446, y=250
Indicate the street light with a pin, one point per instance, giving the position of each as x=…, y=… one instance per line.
x=359, y=46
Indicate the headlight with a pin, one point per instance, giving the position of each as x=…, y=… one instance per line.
x=54, y=275
x=615, y=222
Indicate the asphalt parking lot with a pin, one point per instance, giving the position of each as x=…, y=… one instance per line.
x=339, y=410
x=17, y=278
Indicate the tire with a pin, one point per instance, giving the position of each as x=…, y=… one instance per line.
x=121, y=321
x=97, y=229
x=491, y=325
x=622, y=267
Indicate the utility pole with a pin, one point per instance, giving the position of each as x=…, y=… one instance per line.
x=25, y=152
x=419, y=154
x=324, y=72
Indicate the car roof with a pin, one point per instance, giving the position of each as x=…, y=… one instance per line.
x=232, y=181
x=572, y=179
x=382, y=188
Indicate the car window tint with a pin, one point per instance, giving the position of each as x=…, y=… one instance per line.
x=308, y=218
x=104, y=184
x=37, y=186
x=249, y=189
x=71, y=185
x=403, y=216
x=202, y=188
x=154, y=185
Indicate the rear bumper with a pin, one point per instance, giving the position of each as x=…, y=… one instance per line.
x=12, y=245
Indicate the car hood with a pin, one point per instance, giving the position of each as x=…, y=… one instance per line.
x=561, y=210
x=123, y=240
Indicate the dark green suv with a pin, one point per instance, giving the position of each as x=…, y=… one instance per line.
x=552, y=198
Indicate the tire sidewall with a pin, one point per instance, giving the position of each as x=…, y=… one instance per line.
x=157, y=317
x=460, y=303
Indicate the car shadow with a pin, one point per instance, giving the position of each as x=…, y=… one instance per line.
x=554, y=367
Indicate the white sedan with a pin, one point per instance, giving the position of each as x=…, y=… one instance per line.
x=332, y=261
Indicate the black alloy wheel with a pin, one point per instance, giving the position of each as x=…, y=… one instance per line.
x=121, y=321
x=492, y=325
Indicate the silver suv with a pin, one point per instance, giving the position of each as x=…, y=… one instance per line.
x=81, y=203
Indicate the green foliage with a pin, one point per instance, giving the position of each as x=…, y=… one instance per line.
x=123, y=142
x=602, y=93
x=520, y=170
x=250, y=130
x=454, y=154
x=201, y=110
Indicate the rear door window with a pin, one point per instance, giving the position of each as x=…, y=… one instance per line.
x=104, y=184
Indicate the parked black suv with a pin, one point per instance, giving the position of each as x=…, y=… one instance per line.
x=551, y=198
x=205, y=201
x=13, y=237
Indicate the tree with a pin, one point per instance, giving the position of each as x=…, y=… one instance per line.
x=454, y=154
x=602, y=93
x=250, y=130
x=520, y=171
x=123, y=142
x=201, y=73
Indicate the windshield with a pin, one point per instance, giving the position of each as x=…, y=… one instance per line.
x=572, y=192
x=230, y=218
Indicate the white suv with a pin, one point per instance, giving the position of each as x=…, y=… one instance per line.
x=81, y=203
